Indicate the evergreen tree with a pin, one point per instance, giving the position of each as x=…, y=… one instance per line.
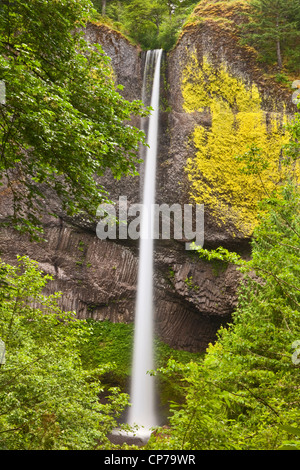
x=274, y=29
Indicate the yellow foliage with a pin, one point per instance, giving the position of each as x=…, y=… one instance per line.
x=237, y=122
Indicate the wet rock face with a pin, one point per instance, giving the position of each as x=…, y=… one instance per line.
x=192, y=298
x=98, y=278
x=125, y=58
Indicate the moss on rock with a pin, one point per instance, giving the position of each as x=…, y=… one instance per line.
x=238, y=121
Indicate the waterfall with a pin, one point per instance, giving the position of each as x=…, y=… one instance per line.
x=143, y=410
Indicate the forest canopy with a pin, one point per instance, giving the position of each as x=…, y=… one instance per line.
x=272, y=27
x=152, y=24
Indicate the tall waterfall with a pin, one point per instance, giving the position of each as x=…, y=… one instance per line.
x=143, y=410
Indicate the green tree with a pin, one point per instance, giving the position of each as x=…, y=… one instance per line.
x=274, y=28
x=115, y=10
x=49, y=399
x=101, y=5
x=151, y=24
x=244, y=394
x=142, y=19
x=178, y=11
x=63, y=122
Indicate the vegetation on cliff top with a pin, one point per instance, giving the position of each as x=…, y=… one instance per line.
x=272, y=27
x=152, y=24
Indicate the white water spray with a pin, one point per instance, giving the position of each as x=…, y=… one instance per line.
x=143, y=410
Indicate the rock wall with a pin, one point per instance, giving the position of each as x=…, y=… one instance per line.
x=98, y=278
x=221, y=104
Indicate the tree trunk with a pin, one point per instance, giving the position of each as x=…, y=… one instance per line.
x=118, y=11
x=278, y=46
x=279, y=58
x=103, y=7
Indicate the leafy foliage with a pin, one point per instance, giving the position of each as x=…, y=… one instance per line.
x=112, y=343
x=63, y=121
x=244, y=395
x=152, y=24
x=58, y=369
x=48, y=400
x=62, y=125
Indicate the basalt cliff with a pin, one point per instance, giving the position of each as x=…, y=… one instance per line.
x=215, y=101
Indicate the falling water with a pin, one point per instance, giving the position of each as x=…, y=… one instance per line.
x=143, y=410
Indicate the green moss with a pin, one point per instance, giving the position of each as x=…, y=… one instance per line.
x=219, y=267
x=190, y=283
x=115, y=26
x=216, y=176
